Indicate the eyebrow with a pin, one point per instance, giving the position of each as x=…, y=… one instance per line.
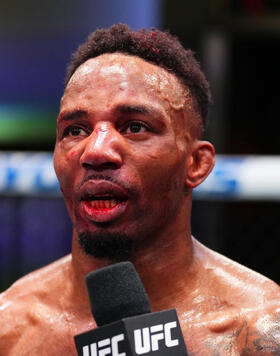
x=138, y=109
x=125, y=109
x=66, y=116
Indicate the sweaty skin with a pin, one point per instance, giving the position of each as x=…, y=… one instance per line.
x=128, y=127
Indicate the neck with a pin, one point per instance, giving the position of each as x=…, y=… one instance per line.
x=166, y=266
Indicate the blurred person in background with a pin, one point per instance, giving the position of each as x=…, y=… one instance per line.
x=128, y=154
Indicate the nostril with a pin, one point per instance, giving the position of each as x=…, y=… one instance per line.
x=100, y=167
x=87, y=166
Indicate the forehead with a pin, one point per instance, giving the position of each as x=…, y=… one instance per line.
x=126, y=76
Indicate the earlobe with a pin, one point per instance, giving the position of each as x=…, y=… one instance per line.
x=199, y=164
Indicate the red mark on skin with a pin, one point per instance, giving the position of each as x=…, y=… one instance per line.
x=60, y=116
x=70, y=155
x=100, y=129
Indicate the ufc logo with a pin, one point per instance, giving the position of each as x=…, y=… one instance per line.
x=105, y=347
x=148, y=339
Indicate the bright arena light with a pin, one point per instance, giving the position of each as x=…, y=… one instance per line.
x=233, y=178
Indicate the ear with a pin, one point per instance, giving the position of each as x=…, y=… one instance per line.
x=200, y=163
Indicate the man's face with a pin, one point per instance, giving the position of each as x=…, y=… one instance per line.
x=122, y=145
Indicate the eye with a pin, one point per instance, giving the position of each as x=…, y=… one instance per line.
x=135, y=127
x=74, y=131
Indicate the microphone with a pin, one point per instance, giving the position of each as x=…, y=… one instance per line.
x=126, y=326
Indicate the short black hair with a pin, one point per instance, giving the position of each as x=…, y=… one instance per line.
x=152, y=45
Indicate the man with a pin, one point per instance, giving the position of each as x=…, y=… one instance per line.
x=127, y=156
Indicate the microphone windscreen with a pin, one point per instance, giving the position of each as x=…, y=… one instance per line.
x=116, y=292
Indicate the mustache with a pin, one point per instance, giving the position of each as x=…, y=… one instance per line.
x=103, y=177
x=94, y=177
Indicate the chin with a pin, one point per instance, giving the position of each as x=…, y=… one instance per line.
x=107, y=245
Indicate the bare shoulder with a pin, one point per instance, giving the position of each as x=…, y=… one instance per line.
x=250, y=323
x=245, y=332
x=247, y=287
x=28, y=306
x=32, y=285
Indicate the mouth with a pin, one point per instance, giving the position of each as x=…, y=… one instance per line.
x=102, y=202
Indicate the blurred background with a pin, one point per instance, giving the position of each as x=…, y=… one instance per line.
x=237, y=43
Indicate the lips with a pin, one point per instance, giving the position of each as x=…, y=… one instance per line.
x=102, y=201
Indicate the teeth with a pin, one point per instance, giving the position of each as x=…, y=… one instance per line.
x=103, y=204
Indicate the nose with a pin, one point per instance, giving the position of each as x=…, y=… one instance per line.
x=102, y=149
